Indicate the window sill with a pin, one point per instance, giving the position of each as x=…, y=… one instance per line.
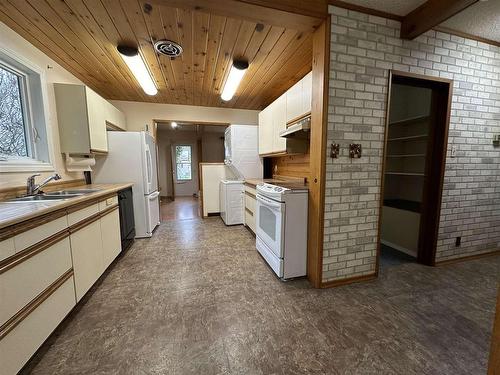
x=14, y=166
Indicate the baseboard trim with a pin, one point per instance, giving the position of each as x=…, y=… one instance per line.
x=466, y=258
x=350, y=280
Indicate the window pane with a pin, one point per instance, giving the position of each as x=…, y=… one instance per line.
x=183, y=154
x=183, y=172
x=12, y=129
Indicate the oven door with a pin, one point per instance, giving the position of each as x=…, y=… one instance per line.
x=270, y=223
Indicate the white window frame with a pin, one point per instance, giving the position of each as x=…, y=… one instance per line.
x=176, y=163
x=30, y=163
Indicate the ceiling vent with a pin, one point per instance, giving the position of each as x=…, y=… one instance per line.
x=168, y=48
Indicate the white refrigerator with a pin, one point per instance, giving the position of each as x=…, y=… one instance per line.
x=132, y=158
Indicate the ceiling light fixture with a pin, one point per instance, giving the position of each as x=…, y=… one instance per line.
x=173, y=124
x=138, y=68
x=238, y=70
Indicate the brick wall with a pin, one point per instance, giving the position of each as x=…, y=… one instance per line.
x=363, y=50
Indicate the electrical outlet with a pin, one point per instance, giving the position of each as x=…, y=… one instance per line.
x=453, y=151
x=458, y=241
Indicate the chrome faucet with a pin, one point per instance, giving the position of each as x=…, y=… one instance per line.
x=32, y=188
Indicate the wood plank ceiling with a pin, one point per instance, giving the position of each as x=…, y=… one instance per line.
x=82, y=35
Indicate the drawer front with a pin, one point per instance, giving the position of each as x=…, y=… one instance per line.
x=86, y=251
x=82, y=214
x=251, y=190
x=7, y=248
x=112, y=201
x=22, y=342
x=250, y=220
x=250, y=203
x=32, y=236
x=21, y=284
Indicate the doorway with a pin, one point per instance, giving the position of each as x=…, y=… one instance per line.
x=183, y=146
x=416, y=139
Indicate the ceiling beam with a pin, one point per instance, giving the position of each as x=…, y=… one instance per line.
x=430, y=14
x=247, y=11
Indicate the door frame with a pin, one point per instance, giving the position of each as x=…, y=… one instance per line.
x=435, y=164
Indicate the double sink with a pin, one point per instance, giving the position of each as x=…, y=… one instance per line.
x=54, y=195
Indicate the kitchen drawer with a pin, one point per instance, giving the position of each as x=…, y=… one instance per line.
x=20, y=284
x=32, y=236
x=7, y=248
x=250, y=189
x=250, y=220
x=82, y=214
x=250, y=202
x=110, y=202
x=17, y=347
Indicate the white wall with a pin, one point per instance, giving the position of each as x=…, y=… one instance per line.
x=14, y=43
x=141, y=114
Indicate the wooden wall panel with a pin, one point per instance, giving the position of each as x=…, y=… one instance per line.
x=82, y=35
x=293, y=166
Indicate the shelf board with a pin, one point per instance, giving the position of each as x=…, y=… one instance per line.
x=407, y=156
x=410, y=120
x=410, y=137
x=405, y=174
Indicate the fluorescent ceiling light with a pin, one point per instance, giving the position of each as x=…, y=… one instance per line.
x=238, y=70
x=174, y=124
x=138, y=68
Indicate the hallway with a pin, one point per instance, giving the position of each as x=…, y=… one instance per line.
x=182, y=208
x=196, y=298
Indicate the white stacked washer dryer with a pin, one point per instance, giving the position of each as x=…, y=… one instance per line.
x=242, y=158
x=281, y=228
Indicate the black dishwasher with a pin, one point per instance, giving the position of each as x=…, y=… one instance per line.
x=127, y=223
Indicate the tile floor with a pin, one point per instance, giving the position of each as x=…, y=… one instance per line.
x=197, y=298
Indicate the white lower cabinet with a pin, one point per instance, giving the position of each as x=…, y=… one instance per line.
x=46, y=270
x=21, y=284
x=111, y=241
x=88, y=264
x=250, y=202
x=17, y=347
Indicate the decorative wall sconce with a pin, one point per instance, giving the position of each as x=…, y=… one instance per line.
x=355, y=150
x=334, y=150
x=496, y=140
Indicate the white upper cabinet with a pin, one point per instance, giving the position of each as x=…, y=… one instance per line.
x=306, y=93
x=292, y=105
x=279, y=107
x=294, y=102
x=298, y=98
x=266, y=131
x=82, y=116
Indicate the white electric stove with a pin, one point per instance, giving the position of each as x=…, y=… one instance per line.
x=281, y=228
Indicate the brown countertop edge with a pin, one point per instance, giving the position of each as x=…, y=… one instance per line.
x=31, y=210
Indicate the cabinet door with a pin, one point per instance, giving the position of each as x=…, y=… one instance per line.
x=96, y=109
x=86, y=250
x=279, y=124
x=111, y=241
x=266, y=131
x=294, y=102
x=307, y=93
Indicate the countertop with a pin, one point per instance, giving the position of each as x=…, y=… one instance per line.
x=14, y=213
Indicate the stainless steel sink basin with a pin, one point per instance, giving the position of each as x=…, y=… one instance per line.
x=72, y=192
x=43, y=198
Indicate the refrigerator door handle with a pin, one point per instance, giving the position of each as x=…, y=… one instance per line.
x=148, y=166
x=153, y=196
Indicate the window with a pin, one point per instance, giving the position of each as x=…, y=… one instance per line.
x=183, y=162
x=13, y=131
x=23, y=126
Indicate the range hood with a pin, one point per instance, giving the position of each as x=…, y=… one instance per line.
x=298, y=129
